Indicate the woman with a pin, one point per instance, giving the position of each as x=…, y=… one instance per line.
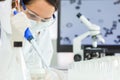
x=40, y=15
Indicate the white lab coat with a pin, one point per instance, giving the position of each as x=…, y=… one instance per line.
x=12, y=64
x=10, y=68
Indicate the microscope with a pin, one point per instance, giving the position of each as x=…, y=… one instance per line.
x=90, y=52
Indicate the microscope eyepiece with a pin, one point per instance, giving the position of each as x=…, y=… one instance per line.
x=79, y=15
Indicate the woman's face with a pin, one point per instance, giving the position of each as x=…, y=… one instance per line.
x=41, y=8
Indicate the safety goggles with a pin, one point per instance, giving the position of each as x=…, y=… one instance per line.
x=32, y=15
x=36, y=17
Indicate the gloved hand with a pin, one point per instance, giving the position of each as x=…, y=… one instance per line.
x=48, y=74
x=54, y=74
x=19, y=24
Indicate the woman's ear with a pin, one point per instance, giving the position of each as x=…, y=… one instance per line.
x=17, y=5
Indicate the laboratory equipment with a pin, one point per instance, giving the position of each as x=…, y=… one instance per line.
x=104, y=13
x=45, y=72
x=90, y=53
x=93, y=31
x=93, y=53
x=28, y=35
